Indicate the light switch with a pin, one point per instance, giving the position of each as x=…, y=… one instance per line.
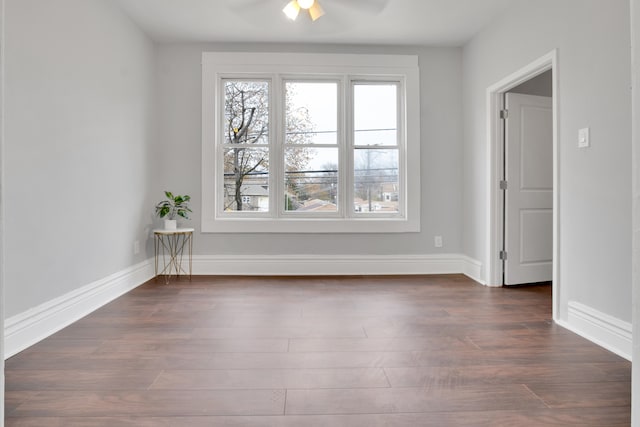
x=583, y=138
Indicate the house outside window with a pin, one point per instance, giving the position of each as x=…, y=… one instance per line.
x=310, y=143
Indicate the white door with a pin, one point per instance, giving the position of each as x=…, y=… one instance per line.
x=529, y=189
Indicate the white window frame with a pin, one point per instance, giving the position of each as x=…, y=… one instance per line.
x=287, y=66
x=341, y=134
x=220, y=147
x=400, y=144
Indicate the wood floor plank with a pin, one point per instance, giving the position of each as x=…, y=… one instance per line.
x=173, y=346
x=495, y=374
x=584, y=395
x=313, y=360
x=122, y=379
x=66, y=346
x=15, y=398
x=308, y=331
x=109, y=361
x=270, y=378
x=415, y=399
x=379, y=344
x=153, y=403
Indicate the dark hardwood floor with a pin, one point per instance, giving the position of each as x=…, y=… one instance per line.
x=346, y=351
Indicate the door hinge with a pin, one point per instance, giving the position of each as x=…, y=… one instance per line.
x=504, y=114
x=503, y=255
x=503, y=185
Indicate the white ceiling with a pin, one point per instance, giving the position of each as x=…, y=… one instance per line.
x=380, y=22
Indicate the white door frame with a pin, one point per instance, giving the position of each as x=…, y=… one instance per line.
x=493, y=276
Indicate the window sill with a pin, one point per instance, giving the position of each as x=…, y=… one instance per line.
x=305, y=225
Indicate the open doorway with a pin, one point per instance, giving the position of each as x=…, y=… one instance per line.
x=527, y=182
x=538, y=81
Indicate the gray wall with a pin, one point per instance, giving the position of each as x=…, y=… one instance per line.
x=179, y=114
x=592, y=38
x=79, y=85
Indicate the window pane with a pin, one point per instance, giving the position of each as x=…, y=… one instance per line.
x=311, y=179
x=246, y=112
x=246, y=179
x=376, y=185
x=311, y=113
x=375, y=114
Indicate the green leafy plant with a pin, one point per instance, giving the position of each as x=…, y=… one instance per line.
x=174, y=206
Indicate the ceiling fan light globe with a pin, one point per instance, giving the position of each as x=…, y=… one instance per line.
x=306, y=4
x=292, y=9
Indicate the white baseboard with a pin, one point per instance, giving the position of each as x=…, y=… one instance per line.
x=472, y=269
x=600, y=328
x=307, y=265
x=27, y=328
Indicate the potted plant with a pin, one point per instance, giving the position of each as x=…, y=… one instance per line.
x=173, y=207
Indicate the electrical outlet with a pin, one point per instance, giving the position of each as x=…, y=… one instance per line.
x=136, y=247
x=437, y=241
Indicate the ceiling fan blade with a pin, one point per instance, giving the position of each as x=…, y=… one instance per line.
x=292, y=9
x=256, y=11
x=315, y=11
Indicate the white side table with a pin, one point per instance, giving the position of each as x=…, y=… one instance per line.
x=170, y=246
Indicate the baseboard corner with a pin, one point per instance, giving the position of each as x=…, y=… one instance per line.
x=31, y=326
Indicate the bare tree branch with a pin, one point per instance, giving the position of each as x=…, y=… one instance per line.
x=247, y=116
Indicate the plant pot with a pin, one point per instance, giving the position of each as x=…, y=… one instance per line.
x=170, y=224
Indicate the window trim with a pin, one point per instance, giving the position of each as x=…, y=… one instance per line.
x=216, y=65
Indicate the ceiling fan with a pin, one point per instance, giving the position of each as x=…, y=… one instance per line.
x=342, y=12
x=292, y=9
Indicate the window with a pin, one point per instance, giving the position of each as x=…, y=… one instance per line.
x=376, y=147
x=310, y=143
x=311, y=146
x=245, y=146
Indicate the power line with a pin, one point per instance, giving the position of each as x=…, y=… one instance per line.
x=316, y=132
x=335, y=131
x=258, y=173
